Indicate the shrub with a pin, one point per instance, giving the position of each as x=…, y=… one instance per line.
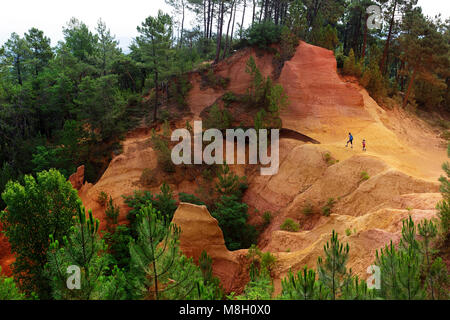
x=329, y=159
x=351, y=66
x=102, y=198
x=8, y=289
x=190, y=198
x=263, y=34
x=364, y=176
x=112, y=214
x=267, y=218
x=228, y=98
x=163, y=202
x=218, y=119
x=164, y=153
x=374, y=81
x=308, y=209
x=232, y=217
x=229, y=184
x=348, y=232
x=326, y=210
x=147, y=177
x=290, y=225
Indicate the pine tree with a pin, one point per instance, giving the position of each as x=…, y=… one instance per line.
x=84, y=249
x=302, y=286
x=112, y=214
x=444, y=206
x=162, y=272
x=229, y=184
x=333, y=271
x=41, y=207
x=8, y=289
x=401, y=268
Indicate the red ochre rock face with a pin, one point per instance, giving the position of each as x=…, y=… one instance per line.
x=200, y=231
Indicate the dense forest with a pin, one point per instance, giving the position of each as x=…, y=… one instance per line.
x=71, y=105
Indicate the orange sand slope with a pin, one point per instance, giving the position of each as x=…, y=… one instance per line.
x=325, y=108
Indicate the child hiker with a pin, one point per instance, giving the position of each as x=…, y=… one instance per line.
x=364, y=145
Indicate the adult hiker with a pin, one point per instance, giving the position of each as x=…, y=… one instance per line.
x=350, y=140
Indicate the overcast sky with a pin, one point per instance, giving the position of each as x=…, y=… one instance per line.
x=122, y=17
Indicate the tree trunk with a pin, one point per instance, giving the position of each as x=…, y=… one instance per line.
x=155, y=69
x=212, y=20
x=204, y=18
x=254, y=12
x=19, y=71
x=228, y=31
x=363, y=54
x=261, y=12
x=242, y=23
x=219, y=30
x=386, y=46
x=182, y=26
x=408, y=92
x=232, y=26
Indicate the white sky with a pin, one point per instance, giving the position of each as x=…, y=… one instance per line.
x=121, y=16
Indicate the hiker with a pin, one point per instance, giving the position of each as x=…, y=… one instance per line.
x=364, y=145
x=350, y=140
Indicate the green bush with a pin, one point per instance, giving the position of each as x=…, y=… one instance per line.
x=190, y=198
x=263, y=34
x=364, y=176
x=164, y=153
x=290, y=225
x=308, y=209
x=8, y=289
x=267, y=218
x=351, y=66
x=232, y=217
x=228, y=98
x=218, y=119
x=326, y=210
x=163, y=202
x=102, y=198
x=42, y=206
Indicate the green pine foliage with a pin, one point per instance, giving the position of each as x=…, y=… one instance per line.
x=8, y=289
x=163, y=202
x=290, y=225
x=265, y=96
x=84, y=249
x=36, y=209
x=232, y=217
x=332, y=271
x=218, y=118
x=230, y=184
x=162, y=271
x=444, y=205
x=411, y=271
x=190, y=198
x=303, y=286
x=351, y=66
